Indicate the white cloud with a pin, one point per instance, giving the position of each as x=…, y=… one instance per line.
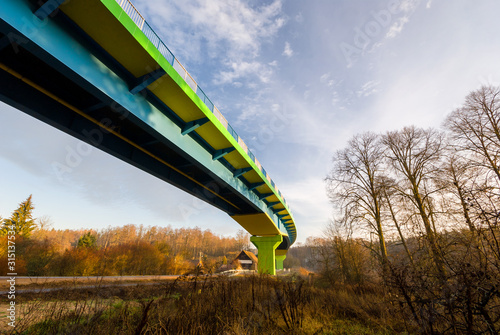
x=234, y=21
x=241, y=70
x=324, y=78
x=288, y=52
x=409, y=6
x=397, y=27
x=368, y=89
x=299, y=18
x=230, y=33
x=232, y=28
x=248, y=113
x=307, y=94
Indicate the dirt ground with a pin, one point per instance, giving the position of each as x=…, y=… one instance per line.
x=22, y=283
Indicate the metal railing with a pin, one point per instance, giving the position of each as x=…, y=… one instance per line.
x=132, y=12
x=141, y=23
x=220, y=117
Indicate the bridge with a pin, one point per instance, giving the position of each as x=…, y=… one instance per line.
x=96, y=70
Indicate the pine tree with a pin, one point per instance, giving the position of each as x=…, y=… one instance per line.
x=21, y=220
x=88, y=240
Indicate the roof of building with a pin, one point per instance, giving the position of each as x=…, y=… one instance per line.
x=249, y=255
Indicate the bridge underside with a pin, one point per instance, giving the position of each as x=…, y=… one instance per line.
x=76, y=86
x=31, y=85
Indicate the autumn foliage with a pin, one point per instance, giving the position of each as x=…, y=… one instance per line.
x=118, y=251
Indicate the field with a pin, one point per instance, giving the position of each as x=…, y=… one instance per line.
x=204, y=305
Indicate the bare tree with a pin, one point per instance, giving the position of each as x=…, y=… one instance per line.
x=414, y=154
x=475, y=131
x=455, y=180
x=393, y=201
x=442, y=198
x=339, y=257
x=44, y=222
x=475, y=128
x=355, y=184
x=242, y=240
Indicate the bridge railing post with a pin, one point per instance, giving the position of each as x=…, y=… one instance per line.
x=266, y=246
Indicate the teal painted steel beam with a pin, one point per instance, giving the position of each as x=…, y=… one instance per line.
x=255, y=185
x=190, y=126
x=48, y=8
x=265, y=195
x=222, y=152
x=240, y=172
x=276, y=211
x=147, y=79
x=274, y=203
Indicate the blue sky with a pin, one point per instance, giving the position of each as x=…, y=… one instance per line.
x=296, y=79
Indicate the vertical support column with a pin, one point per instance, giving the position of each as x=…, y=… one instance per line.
x=266, y=246
x=280, y=257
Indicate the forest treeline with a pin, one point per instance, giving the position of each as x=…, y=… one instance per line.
x=127, y=250
x=417, y=212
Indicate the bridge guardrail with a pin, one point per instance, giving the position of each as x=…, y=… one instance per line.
x=142, y=24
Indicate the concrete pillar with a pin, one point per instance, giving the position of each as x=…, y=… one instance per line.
x=266, y=246
x=280, y=257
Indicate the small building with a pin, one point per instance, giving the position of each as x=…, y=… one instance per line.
x=247, y=260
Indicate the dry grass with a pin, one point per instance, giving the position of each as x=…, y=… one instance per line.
x=209, y=305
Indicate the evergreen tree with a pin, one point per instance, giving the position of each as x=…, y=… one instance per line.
x=21, y=220
x=88, y=240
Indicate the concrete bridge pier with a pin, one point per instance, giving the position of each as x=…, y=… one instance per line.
x=280, y=257
x=266, y=246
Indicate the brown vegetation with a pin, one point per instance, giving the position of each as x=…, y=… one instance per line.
x=127, y=250
x=210, y=305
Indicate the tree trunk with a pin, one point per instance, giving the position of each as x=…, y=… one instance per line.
x=403, y=240
x=431, y=238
